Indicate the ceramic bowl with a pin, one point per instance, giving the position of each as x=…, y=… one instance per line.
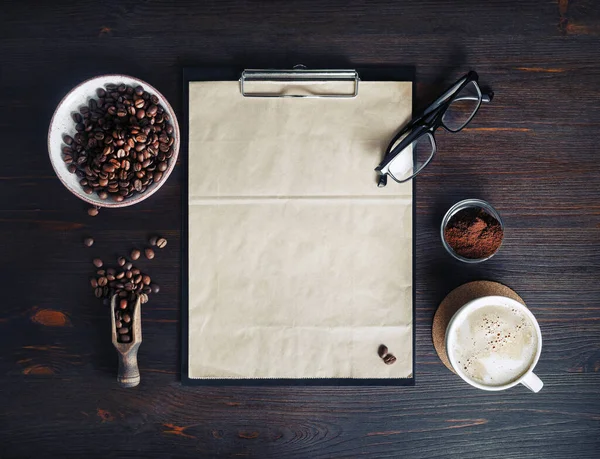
x=62, y=124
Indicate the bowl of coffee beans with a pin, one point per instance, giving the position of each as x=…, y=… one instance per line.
x=113, y=140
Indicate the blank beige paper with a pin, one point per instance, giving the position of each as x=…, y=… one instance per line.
x=299, y=265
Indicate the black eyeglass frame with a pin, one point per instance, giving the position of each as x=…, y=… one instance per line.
x=427, y=124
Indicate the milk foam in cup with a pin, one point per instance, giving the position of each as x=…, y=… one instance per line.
x=494, y=343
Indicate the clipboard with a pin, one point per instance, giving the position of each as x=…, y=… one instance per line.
x=244, y=77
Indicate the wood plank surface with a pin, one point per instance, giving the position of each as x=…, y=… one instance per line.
x=533, y=153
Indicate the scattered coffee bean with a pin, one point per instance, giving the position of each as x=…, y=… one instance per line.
x=161, y=243
x=135, y=271
x=382, y=351
x=88, y=242
x=128, y=275
x=101, y=272
x=121, y=261
x=149, y=253
x=126, y=318
x=155, y=288
x=92, y=211
x=128, y=266
x=99, y=291
x=118, y=324
x=137, y=279
x=94, y=282
x=146, y=279
x=135, y=254
x=389, y=359
x=97, y=262
x=120, y=275
x=123, y=330
x=102, y=281
x=125, y=338
x=123, y=304
x=153, y=241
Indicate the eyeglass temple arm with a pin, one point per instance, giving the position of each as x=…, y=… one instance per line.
x=485, y=97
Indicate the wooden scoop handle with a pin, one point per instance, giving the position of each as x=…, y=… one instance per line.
x=129, y=373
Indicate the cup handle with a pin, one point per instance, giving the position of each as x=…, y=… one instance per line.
x=532, y=382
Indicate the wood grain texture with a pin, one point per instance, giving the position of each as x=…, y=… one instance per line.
x=533, y=153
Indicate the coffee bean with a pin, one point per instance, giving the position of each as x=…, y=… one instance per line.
x=123, y=304
x=122, y=294
x=99, y=291
x=157, y=176
x=92, y=211
x=123, y=330
x=389, y=359
x=152, y=240
x=94, y=282
x=125, y=338
x=146, y=279
x=135, y=254
x=121, y=261
x=147, y=289
x=101, y=272
x=120, y=286
x=128, y=274
x=111, y=272
x=149, y=253
x=118, y=324
x=143, y=298
x=128, y=266
x=155, y=288
x=88, y=242
x=102, y=281
x=137, y=279
x=382, y=351
x=161, y=243
x=126, y=318
x=129, y=286
x=97, y=262
x=135, y=271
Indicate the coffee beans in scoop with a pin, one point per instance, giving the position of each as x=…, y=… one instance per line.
x=124, y=319
x=122, y=145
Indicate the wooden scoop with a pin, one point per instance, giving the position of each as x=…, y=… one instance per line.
x=129, y=373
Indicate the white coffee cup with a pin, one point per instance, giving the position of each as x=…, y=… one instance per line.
x=454, y=344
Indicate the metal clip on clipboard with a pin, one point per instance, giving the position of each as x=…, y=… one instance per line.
x=299, y=74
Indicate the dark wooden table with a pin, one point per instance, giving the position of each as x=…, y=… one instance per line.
x=533, y=153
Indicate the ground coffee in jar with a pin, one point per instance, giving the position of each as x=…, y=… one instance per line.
x=473, y=233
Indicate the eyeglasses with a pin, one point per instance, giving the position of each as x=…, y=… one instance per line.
x=414, y=146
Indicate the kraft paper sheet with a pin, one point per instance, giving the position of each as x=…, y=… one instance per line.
x=299, y=266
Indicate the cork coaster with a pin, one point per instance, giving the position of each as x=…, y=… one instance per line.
x=454, y=301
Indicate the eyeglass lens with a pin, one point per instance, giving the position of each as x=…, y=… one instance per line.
x=462, y=108
x=413, y=158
